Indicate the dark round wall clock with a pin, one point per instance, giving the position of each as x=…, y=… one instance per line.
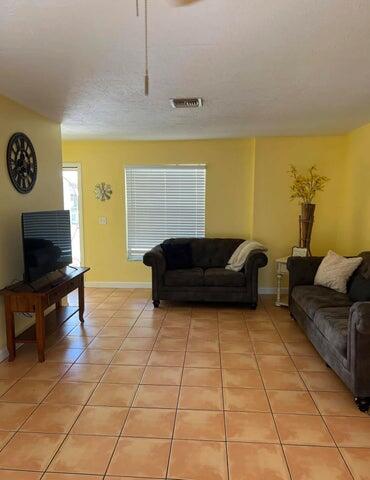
x=22, y=162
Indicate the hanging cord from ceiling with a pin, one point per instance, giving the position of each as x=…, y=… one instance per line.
x=146, y=75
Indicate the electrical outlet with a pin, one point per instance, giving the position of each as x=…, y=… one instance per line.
x=103, y=220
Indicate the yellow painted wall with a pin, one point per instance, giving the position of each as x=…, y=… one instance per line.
x=228, y=195
x=46, y=194
x=355, y=232
x=247, y=194
x=275, y=216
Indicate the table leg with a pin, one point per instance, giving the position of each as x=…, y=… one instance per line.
x=278, y=291
x=40, y=333
x=81, y=299
x=10, y=331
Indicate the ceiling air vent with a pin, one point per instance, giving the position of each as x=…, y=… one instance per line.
x=187, y=102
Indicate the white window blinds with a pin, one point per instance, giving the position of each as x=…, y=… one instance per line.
x=163, y=202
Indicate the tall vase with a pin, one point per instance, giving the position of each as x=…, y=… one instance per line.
x=306, y=220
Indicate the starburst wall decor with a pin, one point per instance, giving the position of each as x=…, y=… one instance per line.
x=103, y=191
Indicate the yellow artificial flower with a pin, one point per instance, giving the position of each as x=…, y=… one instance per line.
x=305, y=187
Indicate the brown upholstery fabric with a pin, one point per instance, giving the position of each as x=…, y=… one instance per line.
x=313, y=297
x=209, y=252
x=189, y=277
x=219, y=277
x=338, y=329
x=190, y=285
x=216, y=252
x=359, y=284
x=333, y=324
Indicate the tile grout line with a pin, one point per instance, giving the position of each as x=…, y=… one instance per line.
x=309, y=392
x=223, y=401
x=275, y=322
x=178, y=395
x=133, y=397
x=86, y=403
x=272, y=414
x=83, y=406
x=38, y=404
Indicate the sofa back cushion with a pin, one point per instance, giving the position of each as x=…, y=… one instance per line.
x=209, y=252
x=359, y=284
x=177, y=255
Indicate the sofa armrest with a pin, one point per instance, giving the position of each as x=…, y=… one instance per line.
x=302, y=270
x=359, y=317
x=256, y=259
x=155, y=259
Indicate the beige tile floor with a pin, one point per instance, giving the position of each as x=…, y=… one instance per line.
x=193, y=392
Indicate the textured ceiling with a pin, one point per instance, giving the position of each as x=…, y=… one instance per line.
x=273, y=67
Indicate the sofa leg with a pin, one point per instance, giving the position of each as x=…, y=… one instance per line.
x=252, y=306
x=156, y=303
x=363, y=403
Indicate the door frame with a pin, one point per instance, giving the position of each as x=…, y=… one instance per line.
x=77, y=166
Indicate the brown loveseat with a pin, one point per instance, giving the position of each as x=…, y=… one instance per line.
x=207, y=280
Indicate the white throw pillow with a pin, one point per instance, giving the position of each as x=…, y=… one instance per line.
x=335, y=271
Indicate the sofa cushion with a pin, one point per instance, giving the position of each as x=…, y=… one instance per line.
x=219, y=277
x=333, y=324
x=209, y=252
x=359, y=284
x=178, y=256
x=213, y=252
x=313, y=297
x=187, y=277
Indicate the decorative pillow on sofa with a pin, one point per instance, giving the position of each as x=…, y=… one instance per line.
x=335, y=271
x=177, y=255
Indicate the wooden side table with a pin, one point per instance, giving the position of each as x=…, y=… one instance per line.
x=281, y=270
x=24, y=297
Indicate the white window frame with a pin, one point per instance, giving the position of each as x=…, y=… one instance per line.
x=77, y=166
x=133, y=257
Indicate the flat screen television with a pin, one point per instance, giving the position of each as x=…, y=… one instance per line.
x=47, y=245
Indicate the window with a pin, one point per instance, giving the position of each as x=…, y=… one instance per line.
x=163, y=202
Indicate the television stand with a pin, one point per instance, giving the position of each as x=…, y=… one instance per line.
x=22, y=297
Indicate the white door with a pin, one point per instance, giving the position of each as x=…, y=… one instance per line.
x=73, y=202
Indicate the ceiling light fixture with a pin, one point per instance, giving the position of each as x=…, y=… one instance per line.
x=146, y=75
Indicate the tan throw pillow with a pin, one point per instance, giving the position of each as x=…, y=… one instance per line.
x=335, y=271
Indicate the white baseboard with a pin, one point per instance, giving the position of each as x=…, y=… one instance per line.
x=271, y=290
x=261, y=290
x=4, y=351
x=118, y=284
